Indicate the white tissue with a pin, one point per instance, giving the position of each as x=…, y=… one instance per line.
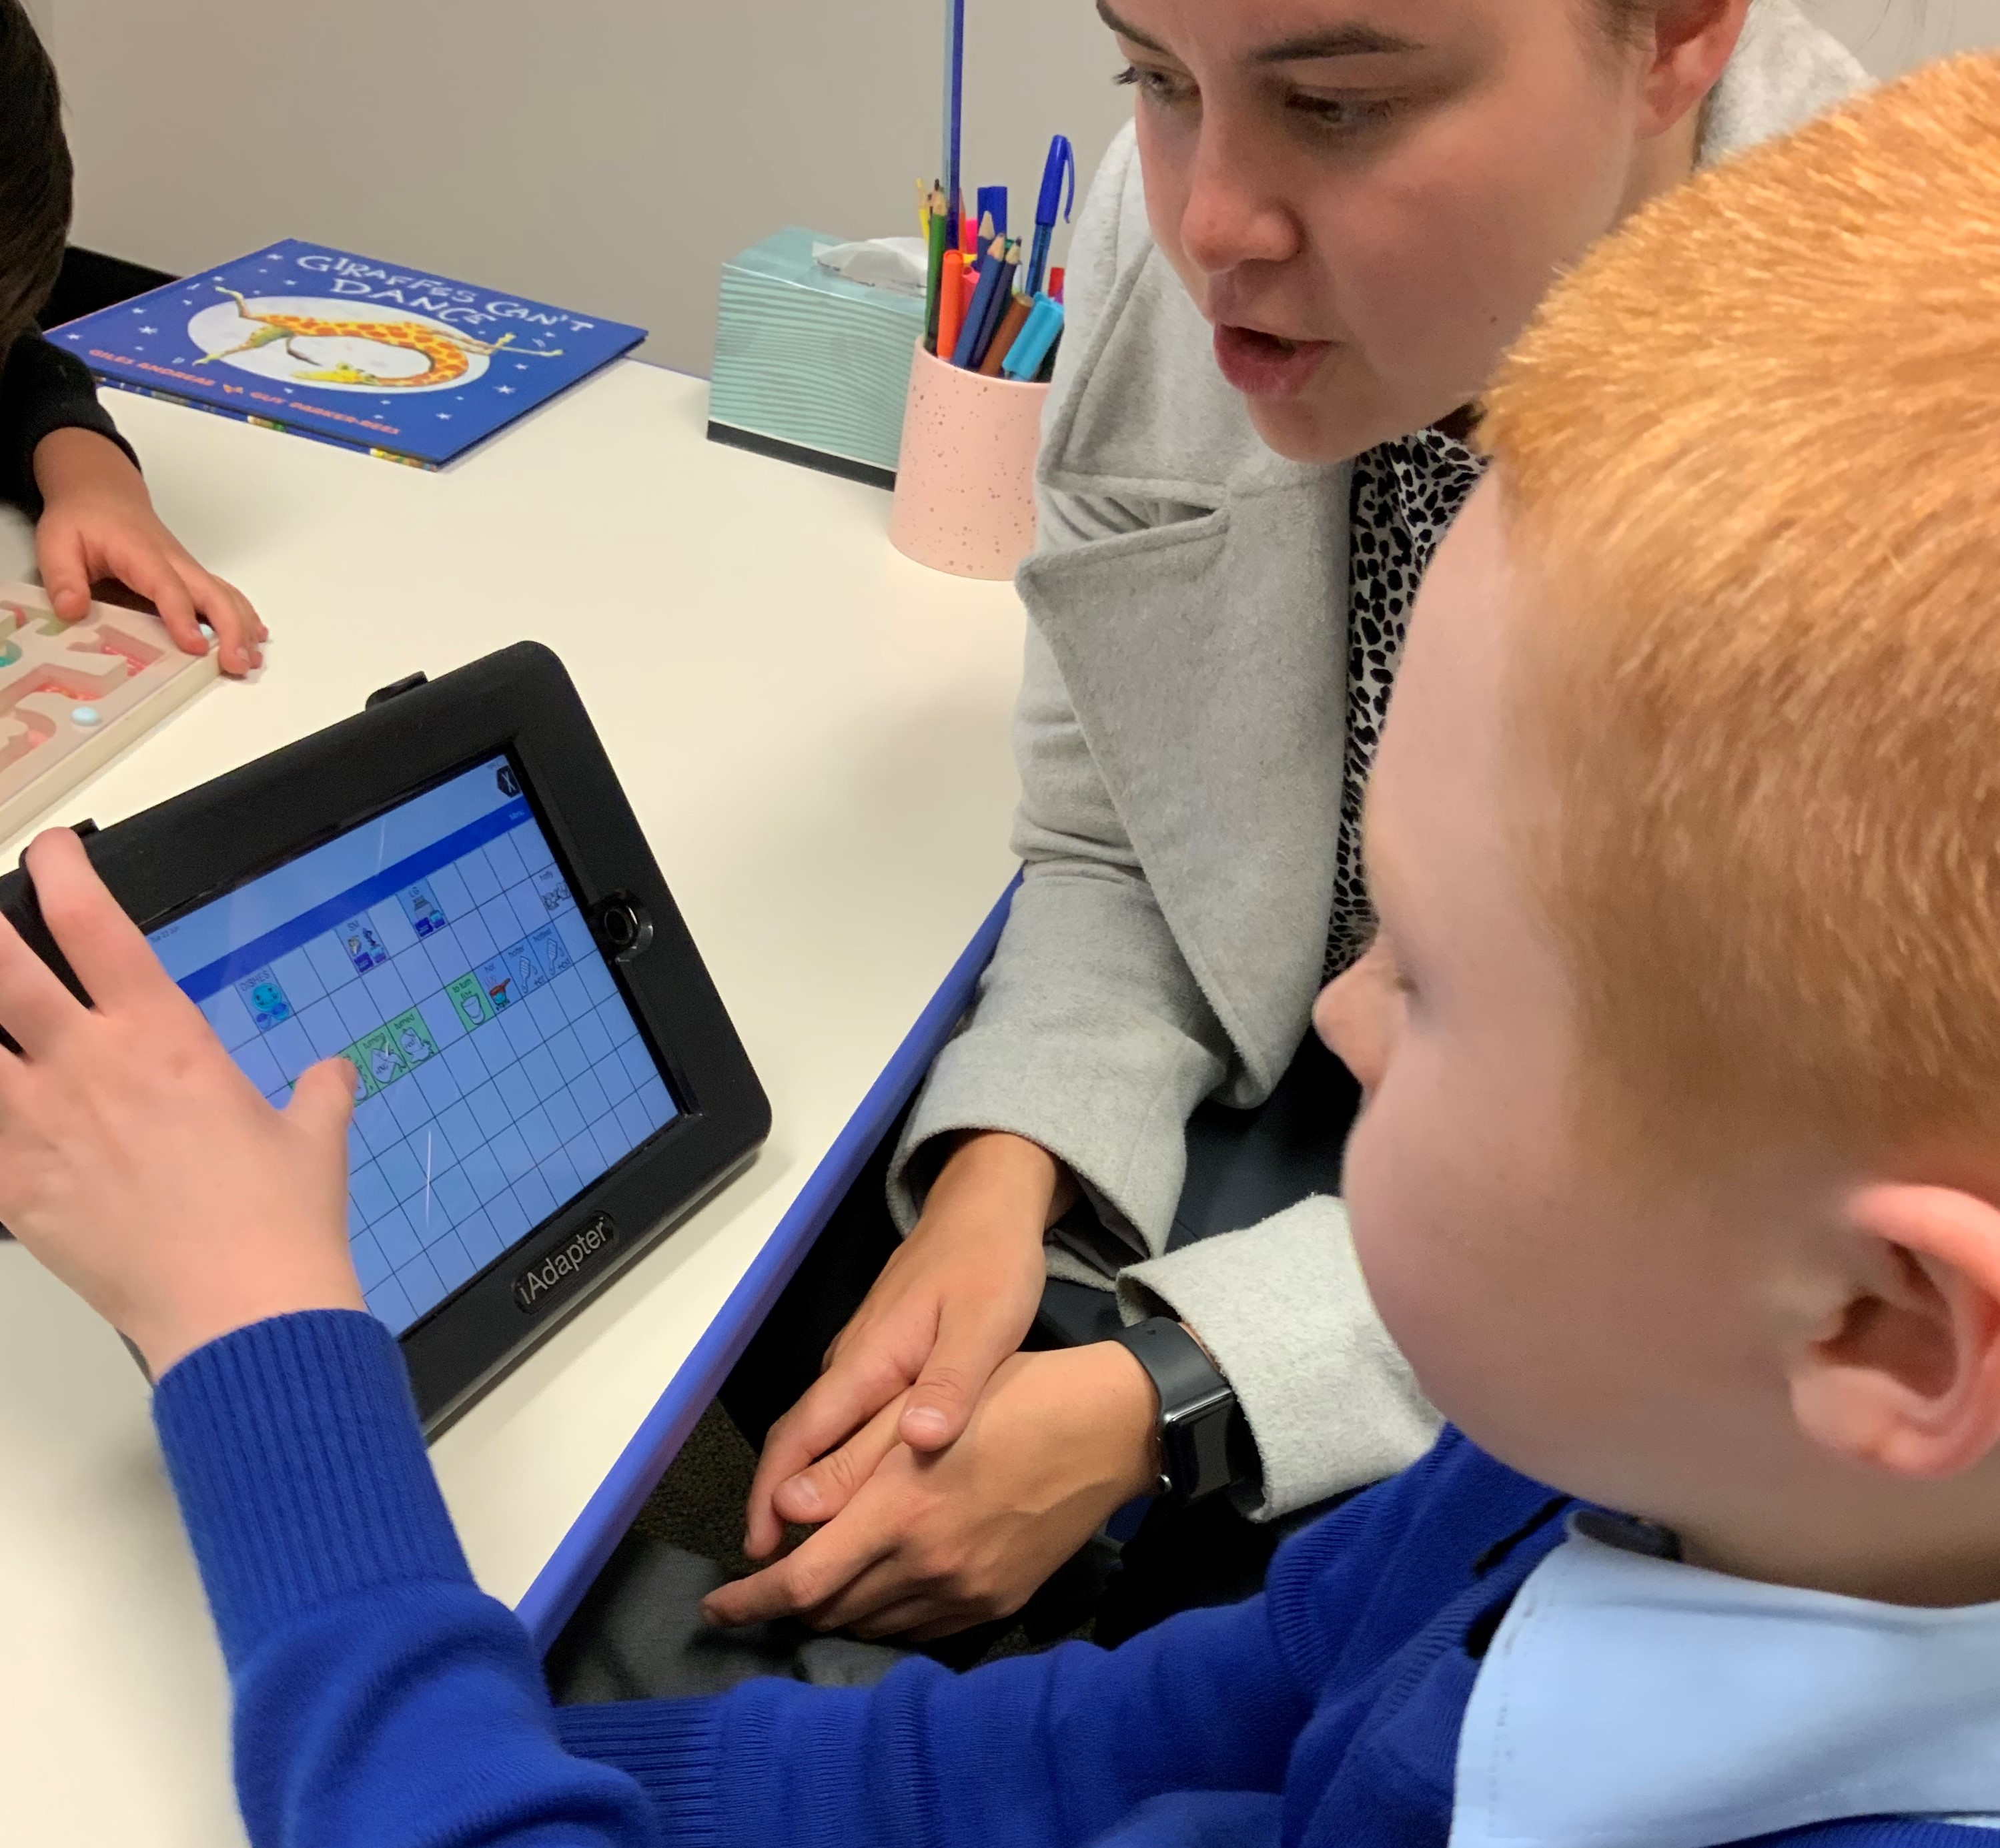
x=900, y=265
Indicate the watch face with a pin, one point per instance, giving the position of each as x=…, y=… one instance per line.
x=1195, y=1443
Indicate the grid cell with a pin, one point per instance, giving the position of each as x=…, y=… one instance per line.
x=371, y=1193
x=482, y=1169
x=397, y=1236
x=370, y=1267
x=590, y=1098
x=225, y=1013
x=403, y=1171
x=421, y=1285
x=510, y=1148
x=540, y=1135
x=536, y=1195
x=387, y=1302
x=329, y=963
x=298, y=978
x=324, y=1028
x=504, y=858
x=475, y=1234
x=488, y=1110
x=454, y=1262
x=257, y=1064
x=509, y=1217
x=452, y=1195
x=634, y=1119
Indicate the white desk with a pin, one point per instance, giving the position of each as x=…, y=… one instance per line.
x=814, y=734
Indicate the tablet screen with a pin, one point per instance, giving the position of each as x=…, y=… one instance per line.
x=498, y=1071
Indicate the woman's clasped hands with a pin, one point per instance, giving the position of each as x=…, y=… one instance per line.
x=946, y=1474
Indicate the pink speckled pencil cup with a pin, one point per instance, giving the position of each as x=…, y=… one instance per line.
x=965, y=480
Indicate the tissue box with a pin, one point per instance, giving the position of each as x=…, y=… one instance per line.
x=808, y=365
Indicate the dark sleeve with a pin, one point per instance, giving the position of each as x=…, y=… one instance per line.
x=42, y=389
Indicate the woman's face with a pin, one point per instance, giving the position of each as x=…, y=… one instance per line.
x=1367, y=198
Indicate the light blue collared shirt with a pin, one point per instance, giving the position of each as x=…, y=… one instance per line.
x=1629, y=1702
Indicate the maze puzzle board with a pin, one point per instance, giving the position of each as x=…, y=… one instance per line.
x=73, y=695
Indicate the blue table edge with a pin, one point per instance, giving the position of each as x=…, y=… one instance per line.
x=559, y=1586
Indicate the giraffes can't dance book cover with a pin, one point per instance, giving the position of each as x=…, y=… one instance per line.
x=406, y=365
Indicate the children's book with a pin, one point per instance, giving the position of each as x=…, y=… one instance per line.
x=403, y=364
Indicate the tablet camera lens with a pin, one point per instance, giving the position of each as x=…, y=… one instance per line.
x=623, y=927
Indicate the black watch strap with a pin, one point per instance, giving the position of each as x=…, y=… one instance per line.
x=1204, y=1441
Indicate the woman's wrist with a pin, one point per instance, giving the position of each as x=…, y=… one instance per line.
x=1016, y=1180
x=1130, y=1407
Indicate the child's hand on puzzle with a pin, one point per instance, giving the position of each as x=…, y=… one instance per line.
x=136, y=1161
x=98, y=522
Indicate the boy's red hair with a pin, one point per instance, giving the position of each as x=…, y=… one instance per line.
x=1752, y=448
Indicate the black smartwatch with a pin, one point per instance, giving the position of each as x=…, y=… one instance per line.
x=1205, y=1442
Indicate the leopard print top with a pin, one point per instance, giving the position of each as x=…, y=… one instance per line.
x=1405, y=493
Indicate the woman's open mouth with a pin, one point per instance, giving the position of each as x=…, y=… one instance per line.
x=1262, y=365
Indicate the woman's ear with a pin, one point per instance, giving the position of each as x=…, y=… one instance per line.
x=1690, y=42
x=1905, y=1375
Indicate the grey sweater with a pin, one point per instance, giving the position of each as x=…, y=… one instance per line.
x=1180, y=735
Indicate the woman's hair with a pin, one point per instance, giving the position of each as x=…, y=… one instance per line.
x=1748, y=453
x=35, y=174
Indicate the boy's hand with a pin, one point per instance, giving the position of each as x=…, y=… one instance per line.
x=98, y=522
x=136, y=1161
x=929, y=1544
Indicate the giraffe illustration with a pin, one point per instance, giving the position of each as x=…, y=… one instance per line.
x=446, y=349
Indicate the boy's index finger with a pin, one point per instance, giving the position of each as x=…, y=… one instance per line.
x=112, y=958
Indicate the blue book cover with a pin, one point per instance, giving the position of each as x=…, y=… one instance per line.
x=406, y=365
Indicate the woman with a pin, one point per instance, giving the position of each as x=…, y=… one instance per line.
x=1290, y=278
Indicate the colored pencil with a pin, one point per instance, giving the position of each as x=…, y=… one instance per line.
x=991, y=271
x=1011, y=323
x=934, y=239
x=996, y=307
x=951, y=304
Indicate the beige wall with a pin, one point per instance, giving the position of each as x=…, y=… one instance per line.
x=607, y=155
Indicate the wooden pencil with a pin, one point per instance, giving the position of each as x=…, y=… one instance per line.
x=1011, y=323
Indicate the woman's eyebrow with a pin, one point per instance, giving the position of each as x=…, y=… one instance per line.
x=1354, y=40
x=1351, y=40
x=1124, y=31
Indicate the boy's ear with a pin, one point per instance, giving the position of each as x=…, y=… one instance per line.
x=1905, y=1375
x=1691, y=41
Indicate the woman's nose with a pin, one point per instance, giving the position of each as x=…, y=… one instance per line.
x=1233, y=214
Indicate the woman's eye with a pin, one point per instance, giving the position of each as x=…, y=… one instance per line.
x=1345, y=115
x=1156, y=86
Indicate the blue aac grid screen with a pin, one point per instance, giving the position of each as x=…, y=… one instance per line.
x=497, y=1071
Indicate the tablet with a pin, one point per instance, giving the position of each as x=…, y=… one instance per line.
x=450, y=893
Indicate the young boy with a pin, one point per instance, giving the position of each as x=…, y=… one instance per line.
x=1685, y=836
x=62, y=457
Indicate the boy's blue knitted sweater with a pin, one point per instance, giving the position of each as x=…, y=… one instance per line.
x=382, y=1700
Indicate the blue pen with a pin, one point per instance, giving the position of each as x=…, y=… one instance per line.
x=993, y=200
x=954, y=108
x=1031, y=345
x=1059, y=169
x=991, y=283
